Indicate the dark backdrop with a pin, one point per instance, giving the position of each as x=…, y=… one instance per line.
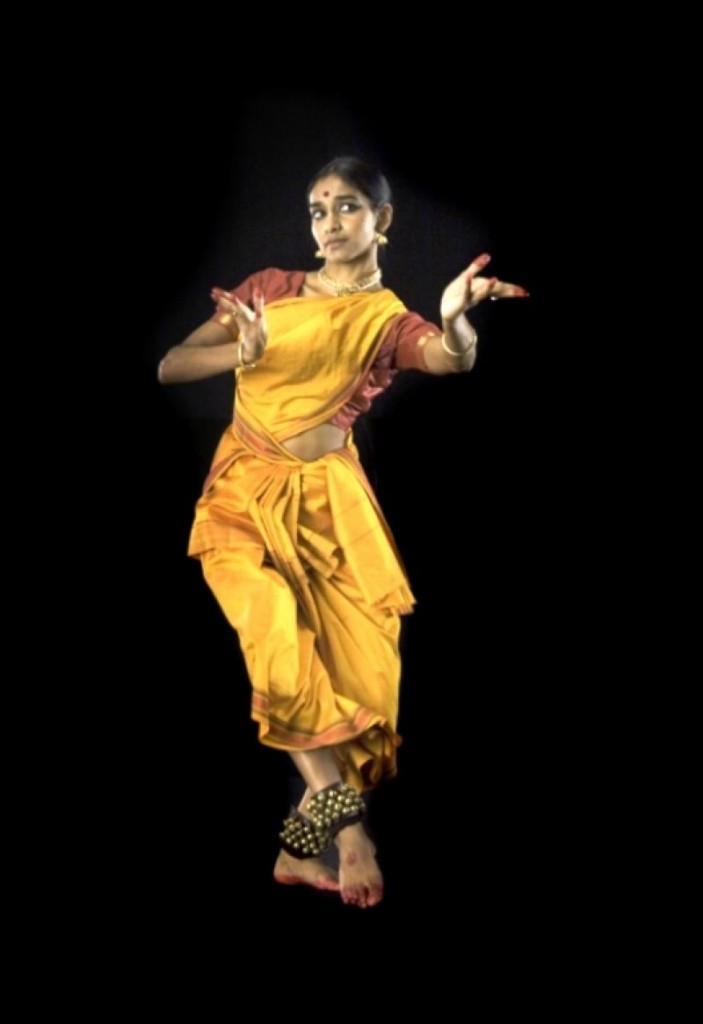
x=466, y=469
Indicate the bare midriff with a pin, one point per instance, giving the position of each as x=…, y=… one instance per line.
x=314, y=443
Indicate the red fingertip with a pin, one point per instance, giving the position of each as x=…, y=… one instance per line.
x=483, y=259
x=521, y=293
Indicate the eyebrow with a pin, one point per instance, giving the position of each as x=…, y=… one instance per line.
x=336, y=199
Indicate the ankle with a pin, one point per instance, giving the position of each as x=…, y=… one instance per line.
x=352, y=835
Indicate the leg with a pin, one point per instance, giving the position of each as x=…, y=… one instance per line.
x=359, y=646
x=261, y=608
x=292, y=670
x=289, y=870
x=360, y=879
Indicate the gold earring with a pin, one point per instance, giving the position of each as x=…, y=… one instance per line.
x=320, y=254
x=380, y=239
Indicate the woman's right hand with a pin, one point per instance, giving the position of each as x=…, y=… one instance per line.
x=468, y=289
x=251, y=323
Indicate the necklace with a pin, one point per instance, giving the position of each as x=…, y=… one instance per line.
x=347, y=289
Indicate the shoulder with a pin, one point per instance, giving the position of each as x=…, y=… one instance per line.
x=274, y=282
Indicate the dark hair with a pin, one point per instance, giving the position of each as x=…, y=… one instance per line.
x=367, y=178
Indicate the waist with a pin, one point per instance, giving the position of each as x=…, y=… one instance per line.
x=314, y=443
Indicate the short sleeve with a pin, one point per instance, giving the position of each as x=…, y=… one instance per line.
x=406, y=339
x=273, y=282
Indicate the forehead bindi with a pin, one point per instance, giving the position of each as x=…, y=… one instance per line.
x=330, y=189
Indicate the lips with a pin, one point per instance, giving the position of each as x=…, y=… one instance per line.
x=334, y=241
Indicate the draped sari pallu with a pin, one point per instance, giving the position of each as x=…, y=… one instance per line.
x=299, y=554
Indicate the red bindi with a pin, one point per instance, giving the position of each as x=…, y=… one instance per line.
x=325, y=193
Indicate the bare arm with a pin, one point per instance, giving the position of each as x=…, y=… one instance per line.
x=237, y=340
x=454, y=351
x=207, y=351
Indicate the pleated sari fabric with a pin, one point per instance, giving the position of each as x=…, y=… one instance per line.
x=299, y=554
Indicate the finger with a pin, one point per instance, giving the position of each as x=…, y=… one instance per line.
x=491, y=284
x=477, y=265
x=503, y=290
x=243, y=310
x=217, y=293
x=258, y=303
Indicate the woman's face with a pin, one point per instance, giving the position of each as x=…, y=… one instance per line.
x=344, y=224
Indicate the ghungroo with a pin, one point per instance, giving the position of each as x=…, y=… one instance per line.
x=327, y=813
x=335, y=807
x=301, y=838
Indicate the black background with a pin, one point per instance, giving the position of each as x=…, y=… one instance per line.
x=205, y=186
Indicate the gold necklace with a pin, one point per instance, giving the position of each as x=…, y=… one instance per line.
x=348, y=289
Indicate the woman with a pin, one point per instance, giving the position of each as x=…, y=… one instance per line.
x=289, y=533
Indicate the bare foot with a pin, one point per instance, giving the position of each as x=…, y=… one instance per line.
x=360, y=878
x=310, y=871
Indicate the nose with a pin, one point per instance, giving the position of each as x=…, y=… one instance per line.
x=332, y=224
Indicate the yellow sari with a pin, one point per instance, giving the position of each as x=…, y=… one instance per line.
x=298, y=554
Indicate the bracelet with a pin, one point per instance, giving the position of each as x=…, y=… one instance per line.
x=458, y=355
x=227, y=321
x=240, y=356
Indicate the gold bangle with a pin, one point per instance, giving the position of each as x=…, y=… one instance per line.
x=240, y=356
x=458, y=355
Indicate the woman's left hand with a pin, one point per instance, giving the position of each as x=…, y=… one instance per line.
x=467, y=290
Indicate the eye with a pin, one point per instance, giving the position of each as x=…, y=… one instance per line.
x=348, y=207
x=316, y=214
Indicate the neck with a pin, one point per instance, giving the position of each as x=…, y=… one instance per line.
x=348, y=273
x=356, y=284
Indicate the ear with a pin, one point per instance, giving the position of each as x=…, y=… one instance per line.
x=384, y=217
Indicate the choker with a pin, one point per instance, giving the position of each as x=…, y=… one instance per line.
x=348, y=289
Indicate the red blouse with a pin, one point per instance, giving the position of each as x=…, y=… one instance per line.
x=402, y=347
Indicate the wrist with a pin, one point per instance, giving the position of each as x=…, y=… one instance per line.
x=240, y=356
x=453, y=345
